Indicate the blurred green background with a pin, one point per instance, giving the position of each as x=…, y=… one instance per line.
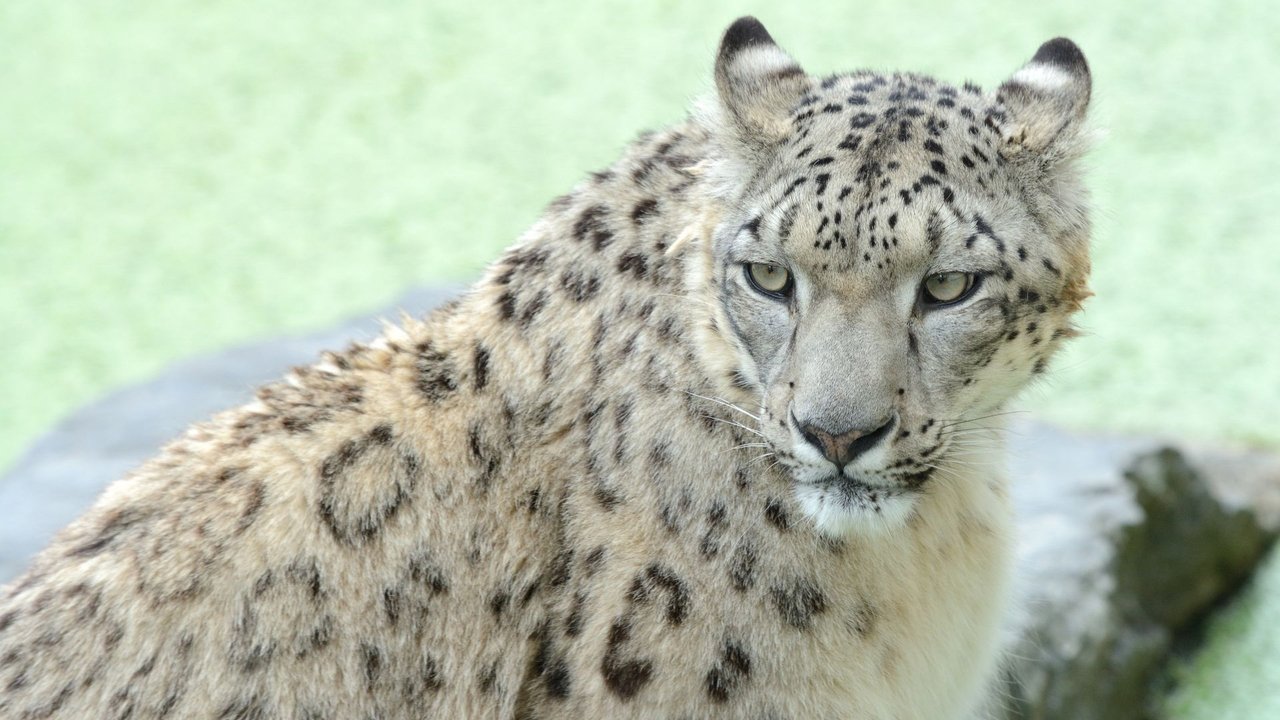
x=180, y=176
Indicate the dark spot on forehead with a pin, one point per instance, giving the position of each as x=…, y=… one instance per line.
x=862, y=120
x=794, y=185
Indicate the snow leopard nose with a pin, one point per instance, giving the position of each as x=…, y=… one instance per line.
x=841, y=448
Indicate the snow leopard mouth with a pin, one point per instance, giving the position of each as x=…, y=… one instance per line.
x=839, y=504
x=864, y=490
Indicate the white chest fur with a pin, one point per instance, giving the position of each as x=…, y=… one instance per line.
x=936, y=593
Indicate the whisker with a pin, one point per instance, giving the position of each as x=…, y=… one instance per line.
x=725, y=403
x=972, y=454
x=987, y=440
x=743, y=446
x=977, y=428
x=727, y=421
x=984, y=440
x=962, y=421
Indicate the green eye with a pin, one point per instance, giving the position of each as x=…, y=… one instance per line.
x=772, y=280
x=948, y=287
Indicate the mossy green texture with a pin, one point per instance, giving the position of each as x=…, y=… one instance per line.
x=180, y=175
x=1236, y=676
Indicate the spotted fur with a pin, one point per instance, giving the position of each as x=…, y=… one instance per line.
x=582, y=489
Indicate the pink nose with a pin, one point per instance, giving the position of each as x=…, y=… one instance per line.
x=841, y=448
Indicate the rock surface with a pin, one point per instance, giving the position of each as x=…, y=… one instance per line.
x=1125, y=543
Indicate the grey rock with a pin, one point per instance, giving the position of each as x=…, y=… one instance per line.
x=1124, y=542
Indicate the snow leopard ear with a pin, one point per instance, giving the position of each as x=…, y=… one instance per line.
x=758, y=84
x=1042, y=107
x=1040, y=113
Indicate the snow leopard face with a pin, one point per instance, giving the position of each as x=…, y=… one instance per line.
x=902, y=257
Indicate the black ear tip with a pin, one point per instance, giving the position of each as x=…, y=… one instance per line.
x=744, y=32
x=1063, y=53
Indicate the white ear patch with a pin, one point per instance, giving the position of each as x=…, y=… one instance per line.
x=1047, y=78
x=761, y=61
x=1046, y=101
x=758, y=85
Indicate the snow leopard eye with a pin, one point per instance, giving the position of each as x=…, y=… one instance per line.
x=771, y=280
x=948, y=288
